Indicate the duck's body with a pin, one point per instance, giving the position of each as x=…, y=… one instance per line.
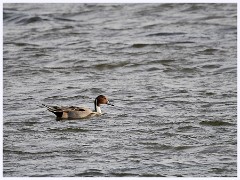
x=74, y=112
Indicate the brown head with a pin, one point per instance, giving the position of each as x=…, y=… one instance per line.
x=102, y=100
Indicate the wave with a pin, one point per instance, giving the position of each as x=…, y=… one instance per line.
x=111, y=65
x=29, y=20
x=167, y=34
x=22, y=18
x=142, y=45
x=215, y=123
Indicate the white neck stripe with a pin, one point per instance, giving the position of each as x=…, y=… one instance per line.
x=97, y=108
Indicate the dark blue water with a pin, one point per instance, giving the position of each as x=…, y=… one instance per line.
x=170, y=69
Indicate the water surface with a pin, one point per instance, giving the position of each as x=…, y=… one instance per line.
x=170, y=69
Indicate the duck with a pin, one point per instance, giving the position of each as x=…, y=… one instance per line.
x=75, y=112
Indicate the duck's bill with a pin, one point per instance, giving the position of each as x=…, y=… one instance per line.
x=108, y=103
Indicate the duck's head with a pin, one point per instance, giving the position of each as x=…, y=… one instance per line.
x=102, y=100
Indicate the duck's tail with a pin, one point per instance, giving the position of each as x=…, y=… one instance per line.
x=54, y=109
x=51, y=108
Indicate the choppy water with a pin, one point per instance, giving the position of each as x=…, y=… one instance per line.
x=170, y=69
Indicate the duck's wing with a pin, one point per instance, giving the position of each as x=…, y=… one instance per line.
x=63, y=108
x=76, y=108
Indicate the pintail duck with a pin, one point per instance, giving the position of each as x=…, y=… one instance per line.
x=74, y=112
